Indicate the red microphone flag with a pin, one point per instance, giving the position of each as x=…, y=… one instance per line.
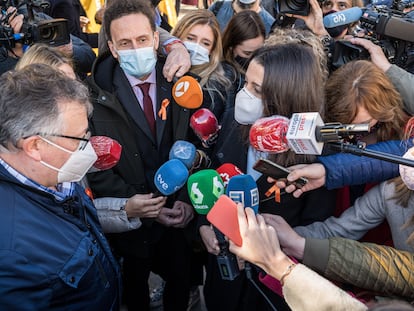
x=269, y=134
x=108, y=151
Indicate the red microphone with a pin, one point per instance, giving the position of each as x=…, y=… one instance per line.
x=205, y=125
x=269, y=134
x=304, y=133
x=108, y=151
x=187, y=92
x=227, y=171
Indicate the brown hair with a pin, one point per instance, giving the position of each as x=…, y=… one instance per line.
x=243, y=26
x=292, y=83
x=120, y=8
x=362, y=84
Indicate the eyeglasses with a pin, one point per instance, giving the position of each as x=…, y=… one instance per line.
x=83, y=141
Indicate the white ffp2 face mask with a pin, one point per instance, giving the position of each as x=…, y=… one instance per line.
x=247, y=108
x=199, y=55
x=78, y=164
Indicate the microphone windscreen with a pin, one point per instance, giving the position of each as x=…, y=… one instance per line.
x=204, y=123
x=269, y=134
x=227, y=171
x=108, y=151
x=184, y=151
x=204, y=188
x=170, y=177
x=243, y=189
x=342, y=18
x=187, y=92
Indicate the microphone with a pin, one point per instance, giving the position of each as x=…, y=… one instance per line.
x=227, y=171
x=170, y=177
x=187, y=92
x=205, y=125
x=342, y=18
x=108, y=151
x=184, y=151
x=243, y=189
x=305, y=133
x=205, y=187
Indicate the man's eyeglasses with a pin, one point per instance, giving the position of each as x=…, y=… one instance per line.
x=83, y=141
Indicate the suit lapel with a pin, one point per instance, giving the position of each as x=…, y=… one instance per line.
x=163, y=92
x=128, y=100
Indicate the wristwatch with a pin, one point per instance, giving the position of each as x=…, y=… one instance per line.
x=328, y=44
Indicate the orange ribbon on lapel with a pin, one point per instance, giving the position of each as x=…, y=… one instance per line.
x=162, y=113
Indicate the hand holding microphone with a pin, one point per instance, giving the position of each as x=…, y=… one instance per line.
x=169, y=178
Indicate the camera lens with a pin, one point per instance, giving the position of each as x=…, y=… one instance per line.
x=47, y=33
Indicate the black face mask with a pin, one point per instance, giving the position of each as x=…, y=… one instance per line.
x=335, y=31
x=242, y=61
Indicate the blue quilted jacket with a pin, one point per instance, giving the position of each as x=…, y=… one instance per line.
x=53, y=255
x=344, y=169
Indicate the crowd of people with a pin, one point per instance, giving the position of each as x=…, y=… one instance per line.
x=78, y=238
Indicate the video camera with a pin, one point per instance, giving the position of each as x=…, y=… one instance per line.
x=392, y=30
x=54, y=32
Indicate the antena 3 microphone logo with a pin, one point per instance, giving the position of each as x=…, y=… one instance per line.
x=181, y=88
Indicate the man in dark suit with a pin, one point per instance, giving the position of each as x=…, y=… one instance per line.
x=121, y=101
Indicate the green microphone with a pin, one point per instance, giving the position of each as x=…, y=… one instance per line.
x=204, y=188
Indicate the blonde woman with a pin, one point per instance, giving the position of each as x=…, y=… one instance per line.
x=200, y=33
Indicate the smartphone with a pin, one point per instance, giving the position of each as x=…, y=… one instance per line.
x=277, y=171
x=223, y=216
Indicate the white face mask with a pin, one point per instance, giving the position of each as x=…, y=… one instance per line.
x=137, y=62
x=407, y=172
x=198, y=54
x=247, y=108
x=78, y=164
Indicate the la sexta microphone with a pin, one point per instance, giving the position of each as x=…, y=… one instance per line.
x=187, y=92
x=205, y=188
x=170, y=177
x=243, y=189
x=227, y=171
x=342, y=18
x=184, y=151
x=205, y=125
x=108, y=151
x=305, y=133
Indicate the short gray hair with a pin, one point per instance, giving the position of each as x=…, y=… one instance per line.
x=30, y=102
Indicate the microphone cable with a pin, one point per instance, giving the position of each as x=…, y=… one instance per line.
x=249, y=275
